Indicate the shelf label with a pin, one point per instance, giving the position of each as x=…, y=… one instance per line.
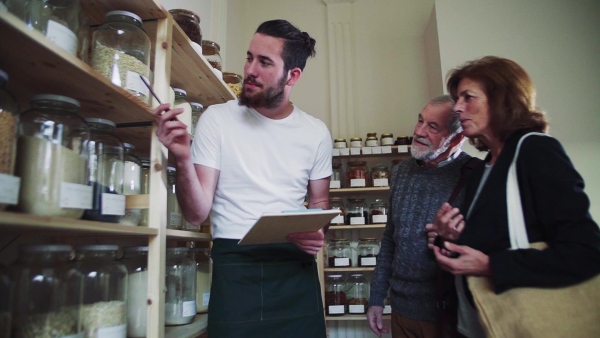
x=62, y=36
x=356, y=309
x=337, y=262
x=189, y=308
x=357, y=220
x=354, y=151
x=9, y=194
x=174, y=219
x=113, y=204
x=358, y=183
x=368, y=261
x=379, y=218
x=205, y=298
x=338, y=220
x=335, y=152
x=119, y=331
x=403, y=149
x=76, y=196
x=336, y=309
x=386, y=149
x=345, y=152
x=380, y=182
x=366, y=150
x=335, y=184
x=387, y=310
x=190, y=226
x=376, y=150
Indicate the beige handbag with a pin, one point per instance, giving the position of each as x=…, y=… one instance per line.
x=572, y=311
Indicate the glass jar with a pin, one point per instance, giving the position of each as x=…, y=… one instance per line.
x=196, y=112
x=336, y=177
x=234, y=82
x=357, y=294
x=339, y=253
x=340, y=143
x=357, y=212
x=104, y=306
x=6, y=297
x=58, y=20
x=335, y=295
x=368, y=250
x=132, y=183
x=356, y=142
x=180, y=299
x=372, y=141
x=203, y=278
x=379, y=212
x=189, y=23
x=357, y=175
x=105, y=165
x=380, y=175
x=145, y=188
x=212, y=52
x=121, y=52
x=182, y=102
x=401, y=141
x=337, y=203
x=174, y=216
x=8, y=141
x=47, y=293
x=135, y=260
x=51, y=158
x=387, y=139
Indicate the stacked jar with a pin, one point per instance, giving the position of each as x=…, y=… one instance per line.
x=132, y=183
x=174, y=216
x=372, y=140
x=335, y=295
x=339, y=253
x=180, y=283
x=8, y=144
x=357, y=294
x=135, y=260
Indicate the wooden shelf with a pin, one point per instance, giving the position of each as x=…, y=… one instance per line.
x=188, y=235
x=354, y=269
x=356, y=227
x=350, y=191
x=191, y=330
x=354, y=317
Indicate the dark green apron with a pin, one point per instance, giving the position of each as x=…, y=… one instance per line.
x=264, y=291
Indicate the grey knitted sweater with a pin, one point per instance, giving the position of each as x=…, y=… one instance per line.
x=405, y=265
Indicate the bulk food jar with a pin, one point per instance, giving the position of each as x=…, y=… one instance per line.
x=196, y=112
x=105, y=166
x=337, y=203
x=180, y=299
x=379, y=211
x=47, y=293
x=51, y=158
x=380, y=175
x=335, y=295
x=339, y=253
x=212, y=52
x=132, y=183
x=182, y=102
x=368, y=250
x=174, y=216
x=121, y=52
x=104, y=305
x=357, y=212
x=145, y=188
x=189, y=23
x=357, y=175
x=337, y=176
x=58, y=20
x=6, y=297
x=203, y=277
x=234, y=82
x=8, y=140
x=357, y=293
x=135, y=260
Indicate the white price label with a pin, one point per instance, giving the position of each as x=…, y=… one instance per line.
x=335, y=152
x=403, y=149
x=354, y=151
x=335, y=184
x=376, y=150
x=119, y=331
x=387, y=310
x=366, y=150
x=358, y=183
x=386, y=149
x=189, y=308
x=379, y=219
x=345, y=152
x=9, y=194
x=380, y=182
x=62, y=36
x=205, y=298
x=174, y=219
x=76, y=196
x=113, y=204
x=356, y=309
x=336, y=309
x=357, y=220
x=341, y=262
x=368, y=261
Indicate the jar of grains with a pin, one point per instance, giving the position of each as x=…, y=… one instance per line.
x=104, y=309
x=145, y=187
x=8, y=140
x=135, y=259
x=368, y=250
x=6, y=298
x=212, y=52
x=379, y=211
x=357, y=212
x=182, y=102
x=132, y=183
x=48, y=293
x=234, y=82
x=203, y=277
x=335, y=295
x=357, y=294
x=189, y=23
x=196, y=112
x=180, y=299
x=380, y=175
x=51, y=158
x=105, y=165
x=337, y=203
x=340, y=143
x=174, y=216
x=339, y=253
x=357, y=175
x=121, y=52
x=337, y=176
x=387, y=139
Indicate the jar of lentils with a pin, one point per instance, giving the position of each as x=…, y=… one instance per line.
x=335, y=295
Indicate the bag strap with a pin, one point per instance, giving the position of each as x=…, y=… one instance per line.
x=465, y=172
x=516, y=221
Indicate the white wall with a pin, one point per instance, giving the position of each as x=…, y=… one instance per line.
x=558, y=43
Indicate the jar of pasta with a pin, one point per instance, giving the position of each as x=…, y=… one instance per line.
x=339, y=253
x=357, y=294
x=8, y=143
x=234, y=82
x=335, y=295
x=357, y=175
x=182, y=102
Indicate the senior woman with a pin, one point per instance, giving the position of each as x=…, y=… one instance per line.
x=495, y=99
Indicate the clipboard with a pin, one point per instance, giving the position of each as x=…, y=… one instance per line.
x=274, y=227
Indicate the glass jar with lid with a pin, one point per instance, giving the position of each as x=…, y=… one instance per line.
x=340, y=143
x=189, y=23
x=387, y=139
x=135, y=259
x=357, y=175
x=52, y=158
x=105, y=165
x=182, y=102
x=132, y=183
x=8, y=141
x=372, y=141
x=339, y=253
x=47, y=293
x=335, y=295
x=180, y=299
x=357, y=294
x=212, y=52
x=174, y=216
x=145, y=187
x=379, y=211
x=104, y=305
x=337, y=203
x=234, y=82
x=368, y=250
x=380, y=175
x=401, y=141
x=357, y=212
x=356, y=142
x=6, y=297
x=337, y=176
x=59, y=20
x=121, y=52
x=196, y=112
x=201, y=257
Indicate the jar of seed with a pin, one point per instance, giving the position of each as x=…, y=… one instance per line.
x=212, y=52
x=189, y=23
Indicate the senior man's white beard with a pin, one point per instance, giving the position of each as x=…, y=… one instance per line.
x=429, y=154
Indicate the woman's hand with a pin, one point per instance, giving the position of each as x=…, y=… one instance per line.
x=448, y=223
x=469, y=262
x=171, y=132
x=309, y=242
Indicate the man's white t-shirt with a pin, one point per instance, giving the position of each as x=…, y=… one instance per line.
x=264, y=164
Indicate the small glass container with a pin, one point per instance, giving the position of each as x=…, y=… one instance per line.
x=387, y=139
x=372, y=141
x=340, y=143
x=337, y=203
x=105, y=284
x=182, y=102
x=357, y=294
x=196, y=112
x=145, y=188
x=105, y=165
x=132, y=183
x=380, y=175
x=339, y=253
x=368, y=250
x=335, y=295
x=121, y=52
x=234, y=82
x=189, y=23
x=337, y=177
x=8, y=137
x=135, y=260
x=212, y=52
x=203, y=278
x=47, y=293
x=357, y=174
x=6, y=297
x=379, y=212
x=180, y=299
x=357, y=212
x=356, y=142
x=52, y=158
x=174, y=216
x=402, y=141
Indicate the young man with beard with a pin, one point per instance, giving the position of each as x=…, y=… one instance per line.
x=261, y=154
x=405, y=266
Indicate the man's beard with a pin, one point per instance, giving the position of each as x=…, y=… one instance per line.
x=429, y=154
x=269, y=98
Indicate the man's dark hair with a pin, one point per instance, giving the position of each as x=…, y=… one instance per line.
x=298, y=45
